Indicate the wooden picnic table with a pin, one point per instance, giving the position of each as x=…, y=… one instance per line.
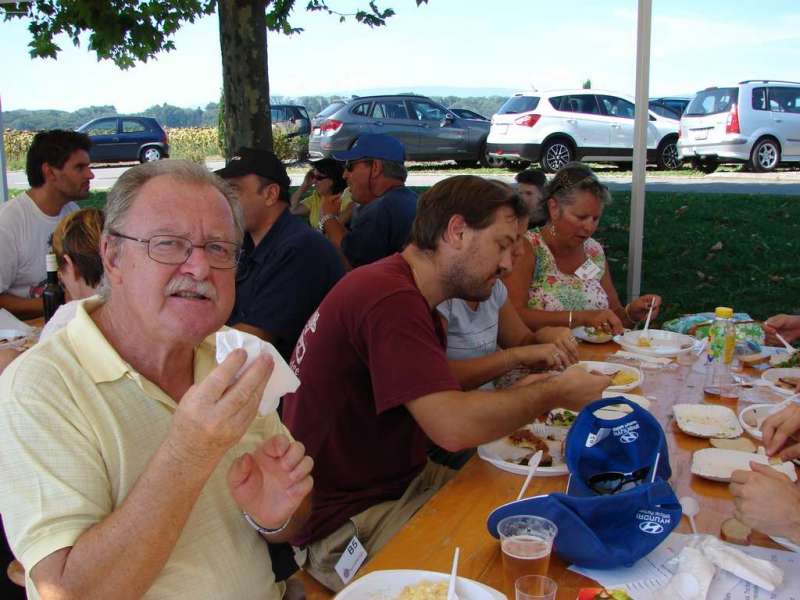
x=456, y=516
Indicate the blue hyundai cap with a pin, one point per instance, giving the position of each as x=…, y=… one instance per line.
x=374, y=145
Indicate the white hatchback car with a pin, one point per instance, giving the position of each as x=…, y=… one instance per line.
x=756, y=122
x=559, y=126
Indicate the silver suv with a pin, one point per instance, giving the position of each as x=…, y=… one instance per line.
x=560, y=126
x=756, y=122
x=428, y=130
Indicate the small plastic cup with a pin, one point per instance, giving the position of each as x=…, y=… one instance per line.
x=535, y=587
x=526, y=542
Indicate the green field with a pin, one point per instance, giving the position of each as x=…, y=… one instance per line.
x=754, y=268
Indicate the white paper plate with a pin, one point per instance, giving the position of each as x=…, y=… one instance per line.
x=500, y=452
x=760, y=412
x=773, y=375
x=707, y=420
x=387, y=585
x=606, y=367
x=718, y=464
x=617, y=411
x=592, y=336
x=786, y=543
x=663, y=343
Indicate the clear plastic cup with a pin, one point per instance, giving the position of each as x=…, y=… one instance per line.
x=526, y=542
x=535, y=587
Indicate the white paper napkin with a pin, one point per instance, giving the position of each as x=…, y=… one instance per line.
x=656, y=360
x=755, y=570
x=692, y=578
x=11, y=326
x=282, y=381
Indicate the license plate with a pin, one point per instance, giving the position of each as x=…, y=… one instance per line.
x=701, y=134
x=502, y=129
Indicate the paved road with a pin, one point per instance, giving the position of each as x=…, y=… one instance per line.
x=782, y=183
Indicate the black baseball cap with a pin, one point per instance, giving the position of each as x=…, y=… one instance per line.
x=258, y=162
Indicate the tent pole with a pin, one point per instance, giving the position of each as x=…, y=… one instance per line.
x=644, y=18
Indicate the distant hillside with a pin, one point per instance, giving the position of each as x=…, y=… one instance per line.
x=175, y=116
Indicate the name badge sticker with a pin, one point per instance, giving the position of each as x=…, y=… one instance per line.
x=352, y=558
x=588, y=270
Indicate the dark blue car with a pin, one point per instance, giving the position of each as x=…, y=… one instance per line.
x=124, y=139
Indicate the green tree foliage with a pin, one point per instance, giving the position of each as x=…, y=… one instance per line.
x=131, y=31
x=587, y=85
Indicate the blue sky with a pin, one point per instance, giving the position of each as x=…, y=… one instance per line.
x=510, y=44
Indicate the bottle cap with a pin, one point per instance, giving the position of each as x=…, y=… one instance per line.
x=723, y=312
x=51, y=262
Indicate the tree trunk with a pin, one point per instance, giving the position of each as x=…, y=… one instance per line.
x=243, y=44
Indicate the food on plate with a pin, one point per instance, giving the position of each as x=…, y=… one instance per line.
x=735, y=532
x=753, y=359
x=424, y=590
x=561, y=417
x=750, y=419
x=602, y=594
x=525, y=438
x=788, y=382
x=643, y=342
x=622, y=378
x=785, y=360
x=742, y=444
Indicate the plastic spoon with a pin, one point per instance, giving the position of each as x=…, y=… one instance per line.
x=791, y=349
x=647, y=322
x=533, y=464
x=451, y=588
x=690, y=509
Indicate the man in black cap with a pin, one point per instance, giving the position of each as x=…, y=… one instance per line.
x=286, y=268
x=376, y=176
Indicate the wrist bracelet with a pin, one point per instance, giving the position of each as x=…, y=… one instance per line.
x=570, y=320
x=264, y=530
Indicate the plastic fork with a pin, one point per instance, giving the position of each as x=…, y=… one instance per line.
x=791, y=349
x=451, y=588
x=533, y=464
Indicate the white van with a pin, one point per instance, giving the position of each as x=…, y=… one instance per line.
x=756, y=122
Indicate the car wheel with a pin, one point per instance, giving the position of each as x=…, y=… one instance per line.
x=667, y=157
x=765, y=156
x=150, y=154
x=555, y=155
x=705, y=165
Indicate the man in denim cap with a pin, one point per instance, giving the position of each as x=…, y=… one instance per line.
x=376, y=176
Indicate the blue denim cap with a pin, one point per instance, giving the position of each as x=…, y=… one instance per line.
x=374, y=145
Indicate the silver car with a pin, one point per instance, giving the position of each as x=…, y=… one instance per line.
x=756, y=122
x=428, y=130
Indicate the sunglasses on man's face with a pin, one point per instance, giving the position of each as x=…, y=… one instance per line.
x=614, y=483
x=350, y=164
x=320, y=176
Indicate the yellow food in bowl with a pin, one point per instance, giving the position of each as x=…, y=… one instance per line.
x=643, y=342
x=424, y=590
x=623, y=378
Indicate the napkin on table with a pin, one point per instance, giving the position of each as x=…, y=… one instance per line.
x=282, y=381
x=692, y=578
x=755, y=570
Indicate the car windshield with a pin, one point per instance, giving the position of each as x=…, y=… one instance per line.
x=713, y=101
x=519, y=104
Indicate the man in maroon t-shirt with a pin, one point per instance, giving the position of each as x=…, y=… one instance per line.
x=376, y=388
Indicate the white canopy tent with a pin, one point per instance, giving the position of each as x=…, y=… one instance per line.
x=644, y=17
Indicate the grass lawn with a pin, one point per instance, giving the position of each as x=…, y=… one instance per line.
x=701, y=250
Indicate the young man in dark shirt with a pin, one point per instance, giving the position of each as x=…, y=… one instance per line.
x=376, y=176
x=287, y=268
x=376, y=387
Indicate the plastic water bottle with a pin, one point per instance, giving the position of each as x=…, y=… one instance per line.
x=721, y=344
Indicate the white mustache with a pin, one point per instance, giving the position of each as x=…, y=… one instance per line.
x=182, y=283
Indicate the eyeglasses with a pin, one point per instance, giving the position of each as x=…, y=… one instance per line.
x=176, y=250
x=348, y=165
x=320, y=176
x=613, y=483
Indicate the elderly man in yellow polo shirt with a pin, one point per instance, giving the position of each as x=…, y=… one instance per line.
x=131, y=465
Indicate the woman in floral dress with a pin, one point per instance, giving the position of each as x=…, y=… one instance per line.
x=563, y=277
